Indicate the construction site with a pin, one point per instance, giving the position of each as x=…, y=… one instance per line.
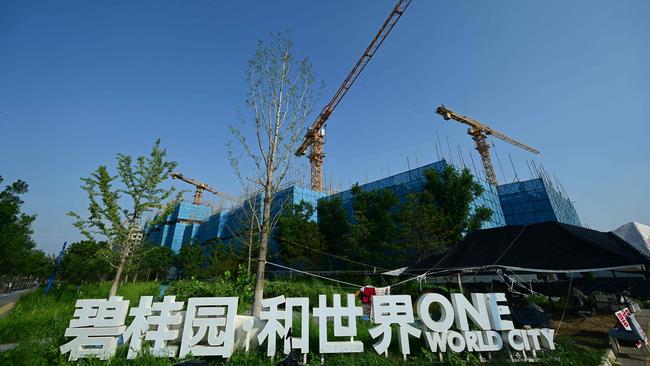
x=534, y=228
x=518, y=203
x=537, y=199
x=330, y=183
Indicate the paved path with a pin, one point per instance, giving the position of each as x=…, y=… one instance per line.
x=7, y=301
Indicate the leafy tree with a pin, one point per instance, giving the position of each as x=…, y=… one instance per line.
x=84, y=261
x=417, y=227
x=15, y=227
x=441, y=214
x=333, y=225
x=297, y=234
x=156, y=261
x=38, y=263
x=18, y=255
x=190, y=259
x=374, y=230
x=116, y=212
x=224, y=257
x=453, y=193
x=280, y=99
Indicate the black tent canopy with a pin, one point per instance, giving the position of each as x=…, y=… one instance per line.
x=542, y=247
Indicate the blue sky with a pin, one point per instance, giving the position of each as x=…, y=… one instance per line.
x=84, y=80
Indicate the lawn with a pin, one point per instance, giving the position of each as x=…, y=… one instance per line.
x=38, y=323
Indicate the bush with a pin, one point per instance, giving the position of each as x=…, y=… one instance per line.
x=184, y=289
x=240, y=286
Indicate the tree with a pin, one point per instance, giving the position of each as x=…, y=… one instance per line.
x=374, y=229
x=417, y=227
x=15, y=227
x=298, y=235
x=441, y=214
x=156, y=261
x=224, y=257
x=279, y=98
x=190, y=259
x=116, y=213
x=18, y=255
x=39, y=264
x=84, y=261
x=333, y=225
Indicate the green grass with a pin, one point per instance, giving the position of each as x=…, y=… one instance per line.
x=38, y=316
x=38, y=323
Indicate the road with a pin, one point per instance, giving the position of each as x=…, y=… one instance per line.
x=7, y=301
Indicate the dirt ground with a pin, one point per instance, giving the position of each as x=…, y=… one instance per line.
x=588, y=331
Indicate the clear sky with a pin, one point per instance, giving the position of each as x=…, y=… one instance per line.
x=83, y=80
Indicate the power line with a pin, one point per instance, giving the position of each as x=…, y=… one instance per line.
x=314, y=275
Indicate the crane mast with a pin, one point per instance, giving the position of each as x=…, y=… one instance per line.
x=315, y=136
x=479, y=133
x=200, y=187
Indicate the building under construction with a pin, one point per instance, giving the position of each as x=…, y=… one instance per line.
x=517, y=203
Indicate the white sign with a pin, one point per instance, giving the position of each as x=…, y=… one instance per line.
x=208, y=326
x=622, y=315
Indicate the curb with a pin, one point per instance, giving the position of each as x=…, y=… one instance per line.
x=608, y=359
x=5, y=309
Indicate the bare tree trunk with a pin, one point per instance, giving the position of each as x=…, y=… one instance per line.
x=250, y=249
x=256, y=309
x=120, y=269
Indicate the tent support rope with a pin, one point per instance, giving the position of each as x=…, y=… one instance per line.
x=566, y=303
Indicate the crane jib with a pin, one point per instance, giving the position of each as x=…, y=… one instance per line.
x=316, y=157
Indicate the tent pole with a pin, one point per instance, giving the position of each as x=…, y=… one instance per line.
x=460, y=283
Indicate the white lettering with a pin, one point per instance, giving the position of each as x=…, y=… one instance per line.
x=455, y=341
x=446, y=310
x=533, y=335
x=436, y=341
x=477, y=312
x=494, y=342
x=547, y=338
x=517, y=345
x=497, y=311
x=471, y=339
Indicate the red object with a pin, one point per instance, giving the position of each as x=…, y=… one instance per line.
x=368, y=293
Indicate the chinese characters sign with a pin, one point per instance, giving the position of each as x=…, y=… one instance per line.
x=210, y=326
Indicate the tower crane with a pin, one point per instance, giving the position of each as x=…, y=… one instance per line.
x=200, y=187
x=314, y=138
x=479, y=133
